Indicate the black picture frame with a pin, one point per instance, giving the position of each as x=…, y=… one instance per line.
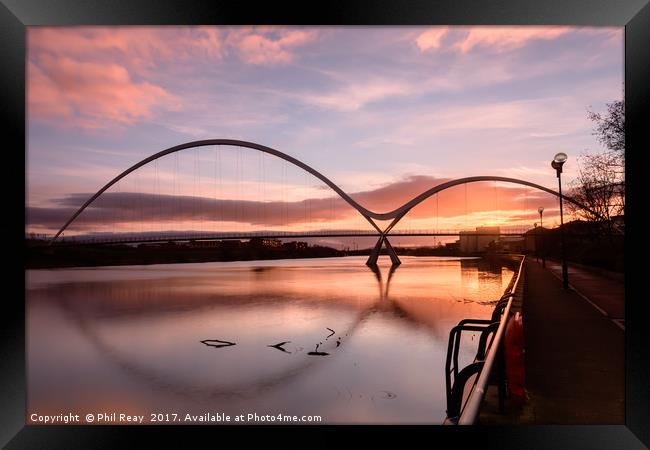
x=16, y=15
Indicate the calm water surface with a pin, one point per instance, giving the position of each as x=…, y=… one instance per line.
x=362, y=346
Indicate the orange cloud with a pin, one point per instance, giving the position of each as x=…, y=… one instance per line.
x=474, y=204
x=473, y=198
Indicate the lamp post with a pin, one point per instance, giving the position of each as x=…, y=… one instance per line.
x=537, y=248
x=557, y=163
x=540, y=210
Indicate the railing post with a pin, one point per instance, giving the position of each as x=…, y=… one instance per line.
x=495, y=355
x=501, y=373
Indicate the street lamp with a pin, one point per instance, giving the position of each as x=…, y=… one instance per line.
x=557, y=163
x=540, y=210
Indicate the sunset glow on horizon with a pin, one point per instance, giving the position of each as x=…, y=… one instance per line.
x=385, y=113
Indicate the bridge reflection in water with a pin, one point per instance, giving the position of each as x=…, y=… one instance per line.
x=129, y=338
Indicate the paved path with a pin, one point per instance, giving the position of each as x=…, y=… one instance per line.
x=605, y=293
x=575, y=369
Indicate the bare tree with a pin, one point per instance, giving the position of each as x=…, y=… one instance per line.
x=610, y=128
x=600, y=184
x=599, y=187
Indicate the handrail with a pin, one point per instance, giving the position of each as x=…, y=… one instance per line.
x=473, y=403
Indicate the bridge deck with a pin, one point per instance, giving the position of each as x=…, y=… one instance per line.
x=83, y=240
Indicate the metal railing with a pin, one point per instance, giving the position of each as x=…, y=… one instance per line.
x=490, y=349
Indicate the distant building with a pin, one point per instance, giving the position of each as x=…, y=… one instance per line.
x=491, y=234
x=265, y=242
x=204, y=244
x=230, y=243
x=453, y=246
x=536, y=238
x=295, y=245
x=468, y=242
x=533, y=237
x=478, y=240
x=512, y=244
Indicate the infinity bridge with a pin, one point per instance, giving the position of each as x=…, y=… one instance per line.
x=370, y=216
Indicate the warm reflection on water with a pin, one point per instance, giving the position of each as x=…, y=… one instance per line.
x=361, y=346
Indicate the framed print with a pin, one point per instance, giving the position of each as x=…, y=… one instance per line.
x=245, y=217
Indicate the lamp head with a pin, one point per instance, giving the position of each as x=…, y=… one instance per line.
x=540, y=209
x=558, y=162
x=560, y=158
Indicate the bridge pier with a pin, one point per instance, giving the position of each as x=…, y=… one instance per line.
x=374, y=254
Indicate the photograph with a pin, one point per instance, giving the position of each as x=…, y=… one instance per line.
x=325, y=225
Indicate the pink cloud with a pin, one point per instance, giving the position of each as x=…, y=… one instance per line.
x=356, y=95
x=86, y=76
x=497, y=38
x=268, y=45
x=507, y=38
x=431, y=39
x=137, y=48
x=44, y=99
x=91, y=95
x=146, y=47
x=97, y=77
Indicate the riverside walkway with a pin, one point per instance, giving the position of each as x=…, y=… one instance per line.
x=604, y=290
x=574, y=340
x=575, y=360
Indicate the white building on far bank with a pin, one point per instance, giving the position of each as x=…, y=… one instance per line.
x=479, y=240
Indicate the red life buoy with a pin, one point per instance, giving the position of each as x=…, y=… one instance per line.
x=514, y=353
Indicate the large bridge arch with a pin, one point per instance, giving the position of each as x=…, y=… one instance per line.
x=232, y=142
x=396, y=214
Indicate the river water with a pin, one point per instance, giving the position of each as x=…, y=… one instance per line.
x=360, y=346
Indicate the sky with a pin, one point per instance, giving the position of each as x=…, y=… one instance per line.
x=383, y=112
